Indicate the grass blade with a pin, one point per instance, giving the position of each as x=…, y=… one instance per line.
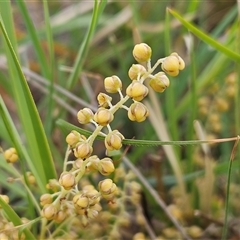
x=204, y=37
x=35, y=41
x=16, y=220
x=97, y=10
x=39, y=150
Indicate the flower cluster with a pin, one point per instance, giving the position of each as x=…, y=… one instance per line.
x=67, y=199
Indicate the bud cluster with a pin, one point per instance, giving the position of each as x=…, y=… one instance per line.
x=67, y=199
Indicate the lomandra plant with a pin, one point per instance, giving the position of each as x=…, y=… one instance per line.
x=70, y=199
x=91, y=195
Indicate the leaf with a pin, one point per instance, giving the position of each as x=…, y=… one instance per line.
x=206, y=38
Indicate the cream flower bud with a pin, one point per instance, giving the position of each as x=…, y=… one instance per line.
x=159, y=82
x=138, y=112
x=112, y=84
x=106, y=166
x=137, y=90
x=5, y=199
x=49, y=211
x=103, y=100
x=93, y=197
x=83, y=150
x=67, y=180
x=172, y=64
x=142, y=52
x=31, y=178
x=53, y=185
x=46, y=199
x=107, y=186
x=80, y=201
x=60, y=216
x=103, y=116
x=85, y=115
x=11, y=155
x=78, y=163
x=92, y=213
x=74, y=137
x=135, y=70
x=113, y=141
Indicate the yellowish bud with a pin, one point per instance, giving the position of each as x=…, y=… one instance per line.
x=172, y=64
x=106, y=166
x=195, y=232
x=46, y=199
x=136, y=70
x=107, y=186
x=78, y=163
x=5, y=198
x=138, y=236
x=67, y=180
x=137, y=90
x=49, y=211
x=31, y=178
x=53, y=185
x=60, y=216
x=74, y=137
x=92, y=213
x=11, y=155
x=83, y=150
x=85, y=115
x=103, y=100
x=80, y=201
x=113, y=141
x=142, y=52
x=222, y=104
x=159, y=82
x=103, y=116
x=138, y=112
x=112, y=84
x=93, y=196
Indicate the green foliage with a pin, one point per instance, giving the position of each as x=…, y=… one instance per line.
x=57, y=67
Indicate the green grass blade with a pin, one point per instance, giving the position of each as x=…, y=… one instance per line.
x=35, y=40
x=68, y=127
x=16, y=220
x=97, y=10
x=204, y=37
x=16, y=141
x=39, y=150
x=50, y=103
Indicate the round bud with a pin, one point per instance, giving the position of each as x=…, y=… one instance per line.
x=83, y=150
x=49, y=211
x=159, y=82
x=5, y=198
x=172, y=64
x=85, y=115
x=11, y=155
x=46, y=199
x=93, y=197
x=107, y=186
x=112, y=84
x=138, y=112
x=106, y=166
x=67, y=180
x=59, y=216
x=137, y=90
x=142, y=52
x=113, y=141
x=80, y=201
x=31, y=178
x=74, y=137
x=103, y=100
x=136, y=70
x=103, y=116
